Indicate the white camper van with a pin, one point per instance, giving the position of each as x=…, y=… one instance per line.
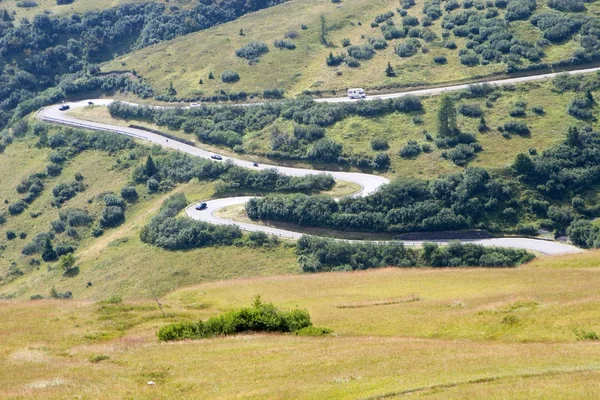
x=356, y=93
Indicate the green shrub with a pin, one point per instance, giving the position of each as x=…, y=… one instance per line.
x=260, y=317
x=229, y=76
x=252, y=50
x=583, y=334
x=96, y=358
x=313, y=331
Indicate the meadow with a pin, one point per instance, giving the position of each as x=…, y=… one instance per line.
x=428, y=333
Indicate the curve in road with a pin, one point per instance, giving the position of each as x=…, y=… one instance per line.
x=368, y=183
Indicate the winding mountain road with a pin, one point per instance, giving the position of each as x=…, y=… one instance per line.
x=368, y=183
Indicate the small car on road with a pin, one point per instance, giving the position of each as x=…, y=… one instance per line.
x=64, y=107
x=216, y=157
x=255, y=164
x=201, y=206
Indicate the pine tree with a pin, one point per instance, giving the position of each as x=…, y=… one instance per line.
x=323, y=30
x=389, y=71
x=172, y=91
x=150, y=168
x=482, y=125
x=49, y=254
x=590, y=96
x=210, y=75
x=447, y=117
x=242, y=32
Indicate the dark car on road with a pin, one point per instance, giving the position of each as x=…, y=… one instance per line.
x=216, y=157
x=64, y=107
x=201, y=206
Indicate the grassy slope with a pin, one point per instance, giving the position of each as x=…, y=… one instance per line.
x=356, y=133
x=117, y=262
x=454, y=342
x=186, y=60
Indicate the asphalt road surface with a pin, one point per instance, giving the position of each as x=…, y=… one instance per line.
x=368, y=183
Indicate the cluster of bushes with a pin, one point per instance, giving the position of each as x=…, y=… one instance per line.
x=66, y=143
x=469, y=199
x=565, y=170
x=284, y=44
x=462, y=153
x=516, y=127
x=32, y=186
x=161, y=172
x=567, y=5
x=229, y=76
x=580, y=107
x=408, y=48
x=252, y=51
x=323, y=255
x=260, y=317
x=170, y=232
x=410, y=150
x=472, y=110
x=65, y=191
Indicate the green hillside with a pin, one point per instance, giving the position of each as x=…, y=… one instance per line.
x=188, y=60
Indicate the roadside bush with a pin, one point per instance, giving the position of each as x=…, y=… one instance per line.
x=381, y=161
x=273, y=93
x=171, y=233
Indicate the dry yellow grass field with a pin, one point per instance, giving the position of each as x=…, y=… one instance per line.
x=461, y=333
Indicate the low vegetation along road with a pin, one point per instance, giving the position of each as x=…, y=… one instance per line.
x=368, y=183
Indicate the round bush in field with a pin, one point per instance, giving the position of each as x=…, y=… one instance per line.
x=229, y=76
